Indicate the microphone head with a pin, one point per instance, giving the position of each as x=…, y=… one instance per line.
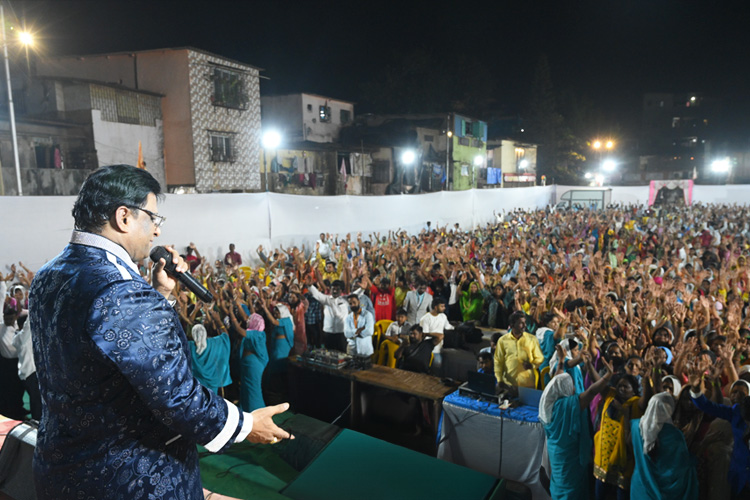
x=162, y=253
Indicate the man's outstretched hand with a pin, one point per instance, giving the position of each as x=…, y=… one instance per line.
x=264, y=430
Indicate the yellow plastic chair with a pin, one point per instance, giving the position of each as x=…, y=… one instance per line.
x=380, y=328
x=375, y=345
x=387, y=353
x=542, y=377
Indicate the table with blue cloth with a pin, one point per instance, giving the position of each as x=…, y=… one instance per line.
x=507, y=444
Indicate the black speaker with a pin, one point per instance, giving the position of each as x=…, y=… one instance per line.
x=16, y=476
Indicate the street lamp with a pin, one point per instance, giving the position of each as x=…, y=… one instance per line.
x=26, y=38
x=597, y=144
x=609, y=165
x=407, y=158
x=523, y=164
x=721, y=165
x=271, y=140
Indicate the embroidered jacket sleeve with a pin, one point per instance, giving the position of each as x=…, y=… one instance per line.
x=137, y=329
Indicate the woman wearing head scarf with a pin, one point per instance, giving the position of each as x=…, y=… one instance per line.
x=210, y=357
x=672, y=385
x=563, y=414
x=739, y=468
x=664, y=468
x=572, y=360
x=281, y=336
x=253, y=360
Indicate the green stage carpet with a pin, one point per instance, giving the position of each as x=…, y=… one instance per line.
x=356, y=466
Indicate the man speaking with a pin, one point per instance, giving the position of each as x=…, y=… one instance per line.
x=122, y=412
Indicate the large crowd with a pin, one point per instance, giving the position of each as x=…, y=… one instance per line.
x=634, y=321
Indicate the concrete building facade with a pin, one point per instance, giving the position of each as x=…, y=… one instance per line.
x=70, y=127
x=306, y=117
x=211, y=113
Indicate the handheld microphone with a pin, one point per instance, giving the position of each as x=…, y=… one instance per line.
x=186, y=279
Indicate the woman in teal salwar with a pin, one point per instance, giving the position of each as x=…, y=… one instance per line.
x=664, y=468
x=253, y=360
x=565, y=419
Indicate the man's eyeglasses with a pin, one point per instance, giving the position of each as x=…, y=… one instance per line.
x=156, y=219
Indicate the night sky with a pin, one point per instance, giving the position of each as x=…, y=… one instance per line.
x=607, y=52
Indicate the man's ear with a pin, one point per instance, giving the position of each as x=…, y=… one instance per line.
x=122, y=219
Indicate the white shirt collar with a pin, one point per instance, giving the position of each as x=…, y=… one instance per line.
x=96, y=241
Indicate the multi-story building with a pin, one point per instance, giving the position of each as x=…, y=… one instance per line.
x=306, y=117
x=675, y=133
x=510, y=163
x=68, y=128
x=447, y=151
x=211, y=113
x=311, y=159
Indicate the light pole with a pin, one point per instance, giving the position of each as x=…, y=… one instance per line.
x=601, y=146
x=448, y=163
x=27, y=40
x=478, y=162
x=271, y=140
x=11, y=111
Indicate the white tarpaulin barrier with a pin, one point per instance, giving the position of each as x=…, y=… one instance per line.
x=34, y=229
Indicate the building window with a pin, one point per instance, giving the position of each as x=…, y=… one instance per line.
x=222, y=147
x=464, y=141
x=468, y=128
x=346, y=116
x=228, y=89
x=309, y=108
x=381, y=172
x=325, y=114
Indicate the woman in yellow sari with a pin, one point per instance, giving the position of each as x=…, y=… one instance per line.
x=613, y=462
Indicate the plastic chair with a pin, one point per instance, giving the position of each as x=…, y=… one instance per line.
x=247, y=271
x=375, y=344
x=382, y=325
x=542, y=382
x=387, y=353
x=380, y=328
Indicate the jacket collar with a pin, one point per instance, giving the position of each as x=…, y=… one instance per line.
x=96, y=241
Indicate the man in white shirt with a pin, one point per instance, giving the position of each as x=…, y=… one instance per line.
x=11, y=395
x=358, y=328
x=27, y=368
x=335, y=310
x=434, y=325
